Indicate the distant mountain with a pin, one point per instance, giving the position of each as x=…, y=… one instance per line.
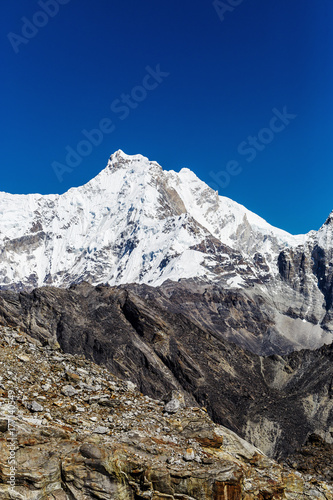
x=136, y=223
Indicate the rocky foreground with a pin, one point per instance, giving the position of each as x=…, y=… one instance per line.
x=78, y=432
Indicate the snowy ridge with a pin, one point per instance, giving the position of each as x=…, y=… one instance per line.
x=221, y=215
x=135, y=222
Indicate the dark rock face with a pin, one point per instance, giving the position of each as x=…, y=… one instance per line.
x=315, y=457
x=308, y=270
x=323, y=269
x=161, y=340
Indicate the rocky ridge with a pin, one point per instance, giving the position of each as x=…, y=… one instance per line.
x=81, y=433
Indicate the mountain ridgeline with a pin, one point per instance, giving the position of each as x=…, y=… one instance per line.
x=152, y=274
x=136, y=223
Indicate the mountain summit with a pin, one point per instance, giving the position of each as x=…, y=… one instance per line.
x=137, y=223
x=134, y=222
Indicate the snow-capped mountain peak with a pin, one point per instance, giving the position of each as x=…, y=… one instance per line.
x=135, y=222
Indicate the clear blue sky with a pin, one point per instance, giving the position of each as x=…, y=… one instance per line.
x=225, y=77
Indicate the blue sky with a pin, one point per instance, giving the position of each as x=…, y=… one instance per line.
x=241, y=94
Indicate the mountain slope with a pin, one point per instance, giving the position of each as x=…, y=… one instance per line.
x=142, y=334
